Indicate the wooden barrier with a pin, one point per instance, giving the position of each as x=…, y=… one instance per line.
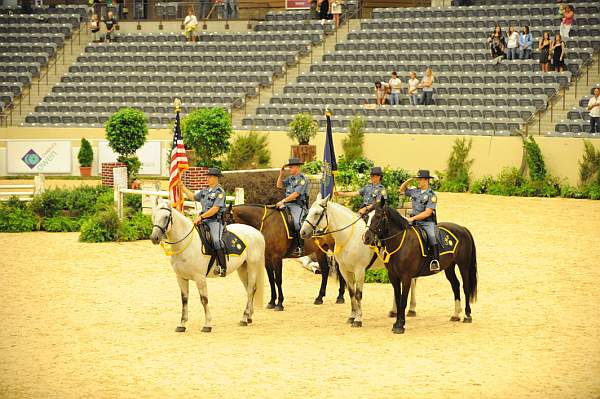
x=24, y=192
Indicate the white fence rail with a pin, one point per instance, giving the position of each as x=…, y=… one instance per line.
x=24, y=192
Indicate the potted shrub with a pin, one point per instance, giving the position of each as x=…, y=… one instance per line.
x=85, y=157
x=302, y=128
x=126, y=132
x=207, y=132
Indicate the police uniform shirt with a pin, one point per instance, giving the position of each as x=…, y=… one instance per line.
x=296, y=184
x=372, y=192
x=421, y=200
x=210, y=197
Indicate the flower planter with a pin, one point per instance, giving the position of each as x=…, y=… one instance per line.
x=85, y=171
x=305, y=152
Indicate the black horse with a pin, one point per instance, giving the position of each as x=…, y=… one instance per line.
x=402, y=248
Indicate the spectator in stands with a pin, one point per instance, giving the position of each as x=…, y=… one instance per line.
x=594, y=108
x=395, y=86
x=525, y=44
x=567, y=21
x=557, y=49
x=336, y=11
x=544, y=47
x=110, y=24
x=190, y=24
x=427, y=86
x=323, y=6
x=95, y=28
x=204, y=8
x=513, y=43
x=413, y=83
x=232, y=9
x=380, y=93
x=497, y=44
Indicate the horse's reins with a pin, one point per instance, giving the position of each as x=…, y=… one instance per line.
x=382, y=251
x=164, y=231
x=325, y=232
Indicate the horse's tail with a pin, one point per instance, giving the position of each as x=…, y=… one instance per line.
x=260, y=287
x=472, y=269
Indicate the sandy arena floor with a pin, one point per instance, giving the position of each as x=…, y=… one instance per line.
x=97, y=320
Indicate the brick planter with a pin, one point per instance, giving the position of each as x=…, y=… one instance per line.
x=107, y=172
x=195, y=177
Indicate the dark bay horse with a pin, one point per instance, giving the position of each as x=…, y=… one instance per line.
x=270, y=222
x=392, y=233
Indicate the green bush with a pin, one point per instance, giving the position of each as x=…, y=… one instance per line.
x=377, y=276
x=302, y=128
x=61, y=224
x=353, y=142
x=313, y=167
x=133, y=202
x=86, y=154
x=81, y=201
x=126, y=132
x=589, y=166
x=133, y=165
x=535, y=159
x=456, y=178
x=139, y=227
x=207, y=131
x=50, y=202
x=248, y=152
x=101, y=227
x=16, y=216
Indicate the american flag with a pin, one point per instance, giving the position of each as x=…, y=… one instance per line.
x=179, y=163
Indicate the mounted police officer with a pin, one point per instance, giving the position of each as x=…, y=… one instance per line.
x=370, y=193
x=424, y=201
x=212, y=200
x=296, y=199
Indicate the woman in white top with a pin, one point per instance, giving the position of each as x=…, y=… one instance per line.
x=395, y=85
x=413, y=84
x=336, y=11
x=190, y=24
x=513, y=43
x=427, y=86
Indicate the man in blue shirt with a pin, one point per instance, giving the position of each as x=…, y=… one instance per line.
x=370, y=193
x=296, y=199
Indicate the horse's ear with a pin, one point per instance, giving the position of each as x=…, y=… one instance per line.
x=382, y=202
x=319, y=197
x=326, y=199
x=230, y=207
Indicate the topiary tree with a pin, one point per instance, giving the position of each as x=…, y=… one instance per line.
x=589, y=166
x=535, y=160
x=353, y=143
x=86, y=154
x=248, y=152
x=126, y=132
x=302, y=128
x=207, y=131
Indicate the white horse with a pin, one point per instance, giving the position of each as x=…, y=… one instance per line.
x=189, y=263
x=352, y=255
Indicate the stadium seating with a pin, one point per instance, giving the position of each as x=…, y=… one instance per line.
x=577, y=123
x=472, y=94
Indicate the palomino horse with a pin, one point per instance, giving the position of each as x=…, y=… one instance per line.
x=403, y=247
x=269, y=221
x=353, y=256
x=189, y=263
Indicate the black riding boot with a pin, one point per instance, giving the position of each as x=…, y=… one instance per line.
x=434, y=265
x=298, y=246
x=222, y=261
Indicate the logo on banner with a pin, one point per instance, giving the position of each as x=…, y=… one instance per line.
x=31, y=158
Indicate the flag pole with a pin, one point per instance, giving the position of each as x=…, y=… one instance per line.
x=179, y=204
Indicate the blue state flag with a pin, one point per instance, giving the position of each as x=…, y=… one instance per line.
x=329, y=161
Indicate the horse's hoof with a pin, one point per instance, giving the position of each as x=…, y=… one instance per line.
x=356, y=324
x=392, y=314
x=468, y=320
x=398, y=330
x=180, y=329
x=243, y=323
x=455, y=318
x=279, y=308
x=318, y=301
x=249, y=321
x=411, y=313
x=206, y=329
x=270, y=305
x=339, y=301
x=350, y=320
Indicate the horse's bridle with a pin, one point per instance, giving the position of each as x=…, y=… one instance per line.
x=164, y=228
x=378, y=232
x=325, y=232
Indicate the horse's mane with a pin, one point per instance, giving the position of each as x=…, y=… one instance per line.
x=396, y=218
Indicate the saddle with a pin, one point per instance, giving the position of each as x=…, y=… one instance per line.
x=233, y=244
x=446, y=240
x=288, y=220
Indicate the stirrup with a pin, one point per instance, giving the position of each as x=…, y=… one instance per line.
x=222, y=272
x=434, y=265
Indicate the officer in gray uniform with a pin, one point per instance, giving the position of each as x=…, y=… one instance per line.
x=424, y=201
x=296, y=199
x=212, y=200
x=370, y=193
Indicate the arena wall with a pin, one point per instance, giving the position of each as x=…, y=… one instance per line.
x=411, y=152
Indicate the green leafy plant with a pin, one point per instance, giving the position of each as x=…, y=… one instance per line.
x=535, y=159
x=377, y=276
x=103, y=226
x=207, y=131
x=589, y=166
x=85, y=156
x=17, y=216
x=456, y=178
x=313, y=167
x=302, y=128
x=126, y=132
x=353, y=142
x=61, y=224
x=248, y=151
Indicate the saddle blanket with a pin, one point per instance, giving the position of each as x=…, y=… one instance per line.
x=234, y=245
x=445, y=239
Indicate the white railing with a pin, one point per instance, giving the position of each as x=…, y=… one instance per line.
x=17, y=190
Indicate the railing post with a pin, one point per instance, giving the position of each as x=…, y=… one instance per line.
x=587, y=76
x=551, y=110
x=576, y=84
x=540, y=123
x=564, y=97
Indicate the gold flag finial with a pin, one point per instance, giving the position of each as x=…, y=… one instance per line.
x=177, y=104
x=327, y=111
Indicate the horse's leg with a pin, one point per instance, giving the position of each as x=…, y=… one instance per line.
x=398, y=326
x=184, y=287
x=340, y=298
x=324, y=266
x=360, y=281
x=413, y=298
x=466, y=278
x=249, y=280
x=350, y=284
x=400, y=319
x=203, y=291
x=271, y=275
x=278, y=263
x=451, y=276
